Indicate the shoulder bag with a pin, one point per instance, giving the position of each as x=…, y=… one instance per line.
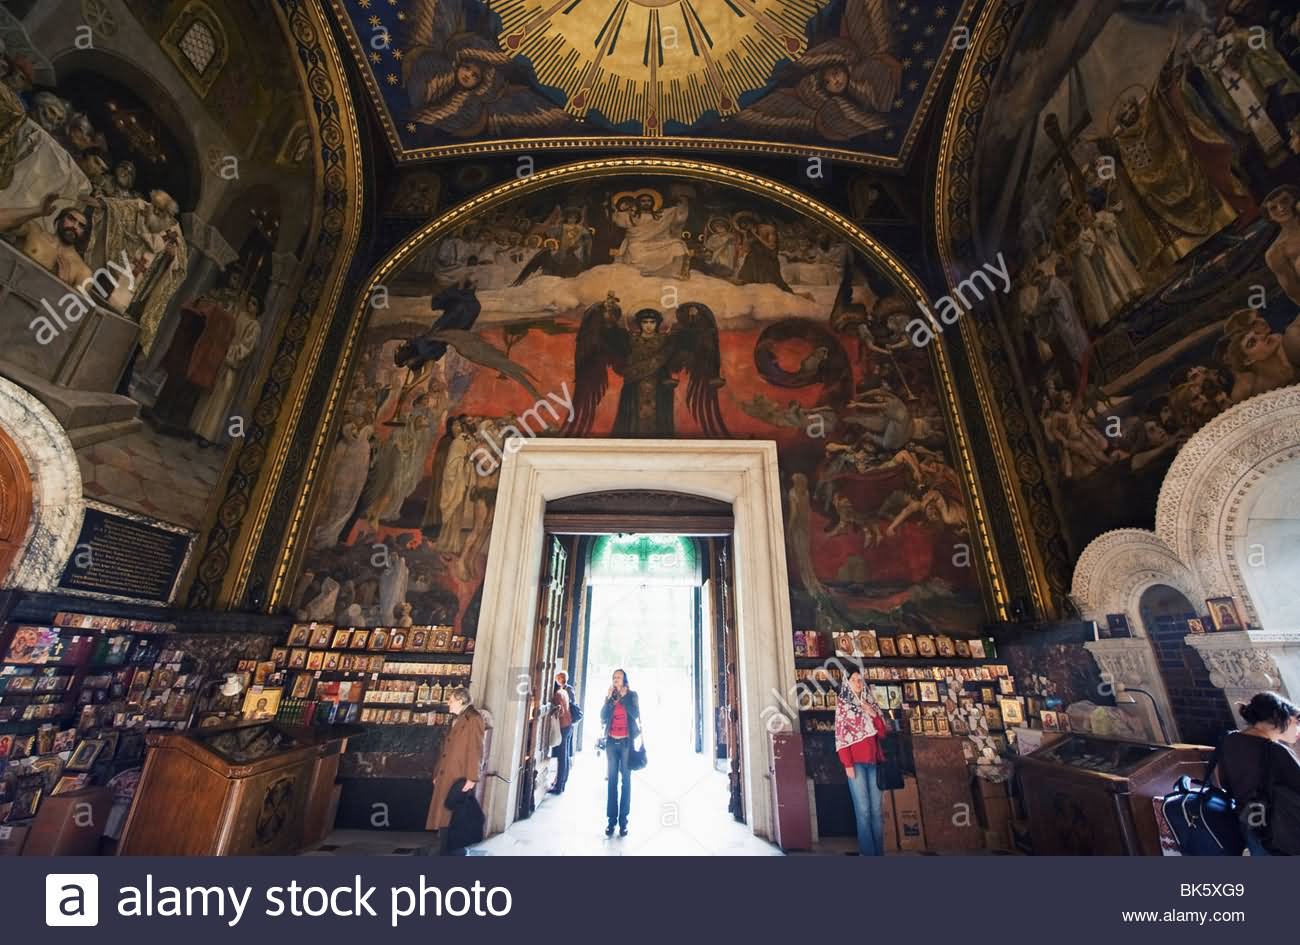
x=1203, y=817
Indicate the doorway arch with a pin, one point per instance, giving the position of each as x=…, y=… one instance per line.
x=741, y=473
x=1199, y=709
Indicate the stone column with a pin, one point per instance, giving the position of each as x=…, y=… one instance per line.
x=1130, y=664
x=1245, y=662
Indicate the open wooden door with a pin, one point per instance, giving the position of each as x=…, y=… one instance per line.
x=727, y=695
x=534, y=682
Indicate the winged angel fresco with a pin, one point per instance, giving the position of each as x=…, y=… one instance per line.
x=840, y=89
x=647, y=358
x=459, y=79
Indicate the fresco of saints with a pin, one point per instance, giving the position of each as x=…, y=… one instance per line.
x=647, y=359
x=653, y=243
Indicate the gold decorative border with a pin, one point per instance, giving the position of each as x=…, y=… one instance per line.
x=993, y=588
x=626, y=143
x=303, y=23
x=957, y=150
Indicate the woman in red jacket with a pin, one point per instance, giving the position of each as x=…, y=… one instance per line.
x=859, y=726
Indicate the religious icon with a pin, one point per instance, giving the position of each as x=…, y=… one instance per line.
x=1013, y=711
x=906, y=645
x=261, y=704
x=1224, y=615
x=320, y=635
x=83, y=758
x=866, y=643
x=340, y=641
x=888, y=647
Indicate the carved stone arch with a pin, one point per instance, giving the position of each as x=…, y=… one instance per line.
x=1207, y=495
x=1117, y=568
x=56, y=503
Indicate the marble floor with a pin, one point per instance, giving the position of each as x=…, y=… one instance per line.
x=679, y=808
x=160, y=476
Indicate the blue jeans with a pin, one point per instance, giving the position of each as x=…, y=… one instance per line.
x=867, y=810
x=563, y=757
x=618, y=751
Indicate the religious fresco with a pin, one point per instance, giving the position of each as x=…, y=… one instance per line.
x=140, y=265
x=1149, y=210
x=640, y=307
x=852, y=75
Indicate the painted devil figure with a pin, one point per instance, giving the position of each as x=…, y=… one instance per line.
x=648, y=359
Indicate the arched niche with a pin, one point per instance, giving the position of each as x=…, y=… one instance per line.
x=1247, y=454
x=1201, y=712
x=1268, y=556
x=1119, y=567
x=54, y=506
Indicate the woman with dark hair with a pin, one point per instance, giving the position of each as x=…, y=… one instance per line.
x=1256, y=765
x=859, y=727
x=621, y=717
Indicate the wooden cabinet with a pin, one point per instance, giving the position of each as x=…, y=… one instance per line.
x=1093, y=796
x=261, y=788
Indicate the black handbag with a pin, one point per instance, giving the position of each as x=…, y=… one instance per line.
x=889, y=773
x=636, y=759
x=1203, y=817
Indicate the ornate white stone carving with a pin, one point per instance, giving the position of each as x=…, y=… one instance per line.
x=1235, y=662
x=1130, y=664
x=1204, y=501
x=57, y=506
x=1117, y=567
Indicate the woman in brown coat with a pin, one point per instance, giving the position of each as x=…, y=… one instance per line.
x=461, y=757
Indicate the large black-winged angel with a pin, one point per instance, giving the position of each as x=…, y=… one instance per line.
x=459, y=80
x=647, y=359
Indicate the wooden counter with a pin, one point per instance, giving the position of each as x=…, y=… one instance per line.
x=255, y=788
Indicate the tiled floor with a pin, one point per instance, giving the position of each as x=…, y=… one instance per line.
x=161, y=476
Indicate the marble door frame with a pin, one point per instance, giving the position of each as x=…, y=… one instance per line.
x=743, y=473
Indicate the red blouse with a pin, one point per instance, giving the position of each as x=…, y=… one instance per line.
x=618, y=722
x=868, y=750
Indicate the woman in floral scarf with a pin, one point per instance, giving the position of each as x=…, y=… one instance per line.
x=859, y=725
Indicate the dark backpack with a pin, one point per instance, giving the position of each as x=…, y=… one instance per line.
x=1203, y=817
x=575, y=710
